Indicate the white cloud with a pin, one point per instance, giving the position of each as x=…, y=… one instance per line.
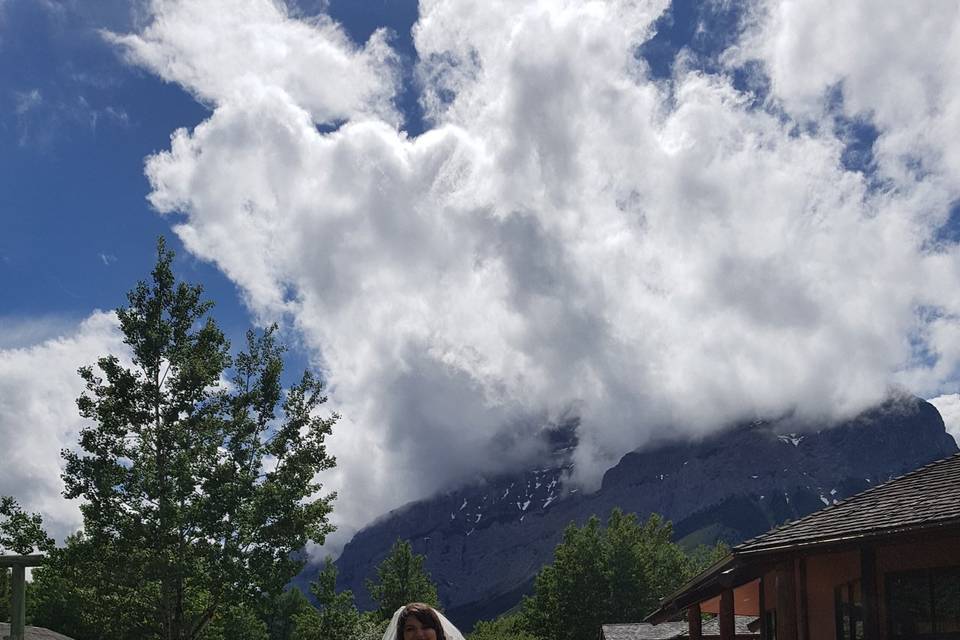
x=38, y=414
x=889, y=61
x=949, y=407
x=221, y=52
x=664, y=258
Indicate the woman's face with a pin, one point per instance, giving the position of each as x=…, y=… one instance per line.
x=413, y=629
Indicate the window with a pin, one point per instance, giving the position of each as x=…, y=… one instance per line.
x=848, y=611
x=924, y=604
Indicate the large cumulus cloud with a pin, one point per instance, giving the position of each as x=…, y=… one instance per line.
x=660, y=258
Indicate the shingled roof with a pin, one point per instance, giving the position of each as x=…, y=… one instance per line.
x=925, y=498
x=33, y=633
x=643, y=631
x=741, y=627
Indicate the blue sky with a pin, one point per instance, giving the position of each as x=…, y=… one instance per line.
x=77, y=123
x=664, y=216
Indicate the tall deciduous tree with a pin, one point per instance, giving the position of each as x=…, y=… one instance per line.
x=201, y=489
x=401, y=579
x=602, y=575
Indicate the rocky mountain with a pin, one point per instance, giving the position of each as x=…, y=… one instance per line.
x=485, y=543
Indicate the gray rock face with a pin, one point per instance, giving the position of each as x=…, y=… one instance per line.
x=485, y=543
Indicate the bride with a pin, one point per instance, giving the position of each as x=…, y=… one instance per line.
x=418, y=621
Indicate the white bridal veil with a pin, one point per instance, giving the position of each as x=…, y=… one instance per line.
x=449, y=630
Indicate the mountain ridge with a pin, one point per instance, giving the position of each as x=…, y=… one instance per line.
x=484, y=543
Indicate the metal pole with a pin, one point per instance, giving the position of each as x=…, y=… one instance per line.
x=18, y=601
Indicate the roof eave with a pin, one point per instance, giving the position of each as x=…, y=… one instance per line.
x=847, y=540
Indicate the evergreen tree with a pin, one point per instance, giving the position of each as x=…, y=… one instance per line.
x=401, y=579
x=197, y=494
x=336, y=615
x=282, y=612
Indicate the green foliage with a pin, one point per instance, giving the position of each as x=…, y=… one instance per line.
x=702, y=556
x=401, y=579
x=336, y=615
x=310, y=626
x=20, y=532
x=197, y=495
x=88, y=592
x=602, y=575
x=371, y=627
x=508, y=627
x=6, y=593
x=235, y=623
x=281, y=611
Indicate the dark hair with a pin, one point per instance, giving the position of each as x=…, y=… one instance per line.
x=425, y=614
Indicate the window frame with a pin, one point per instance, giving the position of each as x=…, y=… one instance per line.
x=848, y=611
x=929, y=574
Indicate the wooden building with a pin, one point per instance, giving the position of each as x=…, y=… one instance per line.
x=881, y=565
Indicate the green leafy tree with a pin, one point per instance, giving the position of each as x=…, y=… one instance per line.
x=281, y=613
x=6, y=594
x=235, y=623
x=371, y=627
x=21, y=532
x=702, y=556
x=401, y=579
x=601, y=575
x=88, y=592
x=336, y=615
x=197, y=494
x=508, y=627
